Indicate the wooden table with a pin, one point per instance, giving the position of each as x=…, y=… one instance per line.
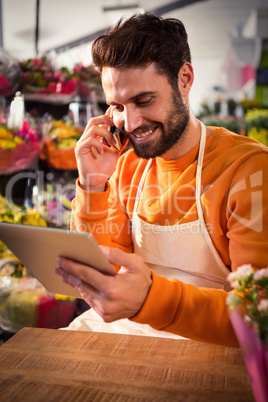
x=59, y=365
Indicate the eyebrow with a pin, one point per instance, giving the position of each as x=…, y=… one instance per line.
x=139, y=95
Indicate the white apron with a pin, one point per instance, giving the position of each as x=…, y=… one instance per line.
x=184, y=252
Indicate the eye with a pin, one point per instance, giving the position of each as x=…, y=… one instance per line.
x=144, y=102
x=118, y=108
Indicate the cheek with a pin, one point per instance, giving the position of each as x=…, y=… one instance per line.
x=158, y=113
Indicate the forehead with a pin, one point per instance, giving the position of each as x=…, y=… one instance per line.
x=122, y=84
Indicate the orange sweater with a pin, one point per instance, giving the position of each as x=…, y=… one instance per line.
x=235, y=204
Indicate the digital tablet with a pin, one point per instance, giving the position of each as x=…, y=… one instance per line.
x=38, y=247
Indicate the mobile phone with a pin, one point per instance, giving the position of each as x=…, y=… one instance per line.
x=118, y=136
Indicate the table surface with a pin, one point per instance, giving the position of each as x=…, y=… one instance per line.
x=59, y=365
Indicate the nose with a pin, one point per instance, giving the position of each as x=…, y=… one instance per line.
x=130, y=119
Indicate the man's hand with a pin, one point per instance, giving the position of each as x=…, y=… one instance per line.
x=96, y=162
x=112, y=297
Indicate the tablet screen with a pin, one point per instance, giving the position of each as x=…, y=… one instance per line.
x=37, y=248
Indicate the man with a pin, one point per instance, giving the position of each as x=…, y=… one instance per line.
x=183, y=208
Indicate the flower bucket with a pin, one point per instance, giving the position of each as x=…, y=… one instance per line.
x=248, y=309
x=255, y=356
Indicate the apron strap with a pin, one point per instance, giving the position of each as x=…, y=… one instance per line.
x=206, y=234
x=199, y=172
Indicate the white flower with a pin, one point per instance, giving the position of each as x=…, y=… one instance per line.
x=234, y=283
x=232, y=276
x=261, y=273
x=242, y=272
x=233, y=300
x=263, y=305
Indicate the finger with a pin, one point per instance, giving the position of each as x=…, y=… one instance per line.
x=120, y=258
x=87, y=292
x=97, y=127
x=109, y=112
x=68, y=278
x=94, y=146
x=99, y=120
x=87, y=144
x=93, y=132
x=98, y=133
x=89, y=275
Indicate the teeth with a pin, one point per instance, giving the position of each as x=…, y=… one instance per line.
x=142, y=135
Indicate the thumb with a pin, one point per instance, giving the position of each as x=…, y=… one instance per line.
x=119, y=257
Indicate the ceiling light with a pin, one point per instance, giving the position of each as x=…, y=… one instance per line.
x=120, y=7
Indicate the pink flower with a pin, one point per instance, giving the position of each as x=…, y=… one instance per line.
x=37, y=62
x=5, y=86
x=242, y=272
x=261, y=273
x=57, y=75
x=2, y=119
x=263, y=305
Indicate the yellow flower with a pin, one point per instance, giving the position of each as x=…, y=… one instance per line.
x=63, y=133
x=260, y=135
x=58, y=123
x=7, y=144
x=18, y=140
x=7, y=140
x=33, y=218
x=5, y=134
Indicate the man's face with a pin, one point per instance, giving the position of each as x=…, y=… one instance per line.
x=145, y=107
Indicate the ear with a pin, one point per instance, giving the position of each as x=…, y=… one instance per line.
x=185, y=79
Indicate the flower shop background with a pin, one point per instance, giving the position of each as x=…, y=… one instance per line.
x=43, y=111
x=45, y=103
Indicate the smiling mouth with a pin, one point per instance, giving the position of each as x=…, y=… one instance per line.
x=144, y=134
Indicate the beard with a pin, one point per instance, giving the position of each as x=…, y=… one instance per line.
x=173, y=128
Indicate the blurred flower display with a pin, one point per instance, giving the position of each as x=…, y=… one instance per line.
x=53, y=197
x=60, y=138
x=40, y=77
x=232, y=123
x=256, y=121
x=9, y=74
x=19, y=147
x=24, y=302
x=248, y=104
x=88, y=81
x=9, y=212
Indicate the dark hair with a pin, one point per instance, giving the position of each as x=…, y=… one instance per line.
x=141, y=40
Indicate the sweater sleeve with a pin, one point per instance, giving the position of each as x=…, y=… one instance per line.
x=102, y=215
x=182, y=309
x=89, y=213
